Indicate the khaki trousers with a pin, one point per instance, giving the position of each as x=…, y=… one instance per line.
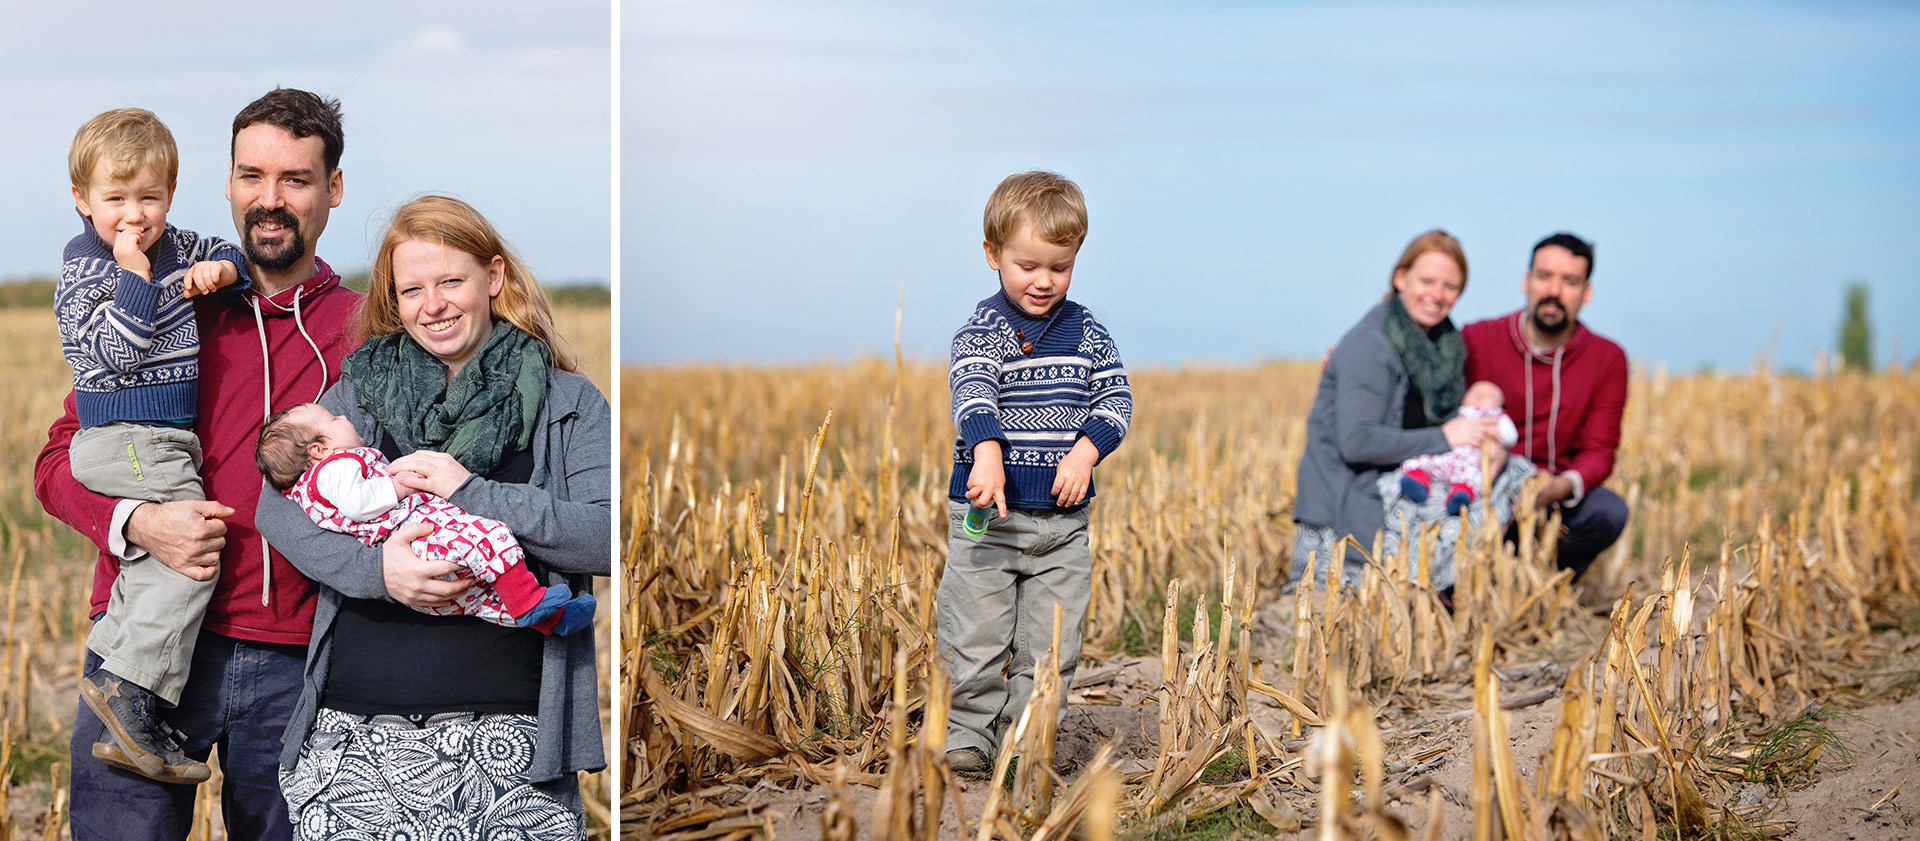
x=996, y=614
x=153, y=613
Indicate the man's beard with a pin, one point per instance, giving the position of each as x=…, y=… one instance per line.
x=1540, y=323
x=287, y=250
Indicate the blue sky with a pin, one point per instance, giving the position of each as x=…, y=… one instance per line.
x=1253, y=169
x=508, y=109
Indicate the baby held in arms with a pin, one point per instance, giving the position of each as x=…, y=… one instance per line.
x=319, y=460
x=1458, y=469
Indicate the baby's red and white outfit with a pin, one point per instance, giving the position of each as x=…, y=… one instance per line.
x=352, y=492
x=1458, y=469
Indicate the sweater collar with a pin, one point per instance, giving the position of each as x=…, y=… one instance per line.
x=1027, y=328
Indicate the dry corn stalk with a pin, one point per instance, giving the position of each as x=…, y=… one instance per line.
x=1788, y=476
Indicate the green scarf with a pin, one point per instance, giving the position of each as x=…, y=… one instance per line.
x=1437, y=365
x=483, y=413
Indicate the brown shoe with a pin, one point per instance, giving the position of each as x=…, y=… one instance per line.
x=135, y=738
x=186, y=771
x=970, y=763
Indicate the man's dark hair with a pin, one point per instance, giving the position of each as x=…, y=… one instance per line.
x=1579, y=247
x=302, y=114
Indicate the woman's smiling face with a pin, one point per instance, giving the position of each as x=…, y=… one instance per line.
x=1429, y=287
x=446, y=298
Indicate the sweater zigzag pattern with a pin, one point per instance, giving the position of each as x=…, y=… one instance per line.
x=133, y=342
x=1037, y=403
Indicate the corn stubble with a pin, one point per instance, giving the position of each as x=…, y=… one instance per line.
x=786, y=528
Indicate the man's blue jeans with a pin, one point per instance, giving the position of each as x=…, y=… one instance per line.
x=239, y=696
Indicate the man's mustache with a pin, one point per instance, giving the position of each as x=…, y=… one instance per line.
x=278, y=215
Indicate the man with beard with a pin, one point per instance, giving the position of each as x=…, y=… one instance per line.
x=275, y=345
x=1566, y=389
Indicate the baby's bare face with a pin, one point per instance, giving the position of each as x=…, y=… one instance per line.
x=335, y=430
x=1484, y=396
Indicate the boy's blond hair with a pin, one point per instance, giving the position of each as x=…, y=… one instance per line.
x=129, y=140
x=1046, y=200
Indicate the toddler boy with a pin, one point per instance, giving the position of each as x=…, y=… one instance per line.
x=1459, y=468
x=319, y=460
x=1039, y=398
x=128, y=329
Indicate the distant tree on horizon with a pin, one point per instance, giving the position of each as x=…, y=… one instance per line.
x=1856, y=331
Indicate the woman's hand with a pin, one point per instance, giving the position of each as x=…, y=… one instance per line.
x=1469, y=432
x=433, y=472
x=414, y=581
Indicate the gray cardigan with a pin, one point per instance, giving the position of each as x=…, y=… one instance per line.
x=1354, y=433
x=563, y=516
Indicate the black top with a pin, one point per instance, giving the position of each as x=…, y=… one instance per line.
x=1416, y=414
x=391, y=659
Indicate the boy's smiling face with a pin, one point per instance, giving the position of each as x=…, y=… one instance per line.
x=137, y=205
x=1034, y=273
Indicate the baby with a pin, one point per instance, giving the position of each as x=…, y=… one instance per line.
x=1459, y=468
x=319, y=460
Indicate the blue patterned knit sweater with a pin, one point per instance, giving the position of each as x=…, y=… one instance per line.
x=132, y=342
x=1036, y=385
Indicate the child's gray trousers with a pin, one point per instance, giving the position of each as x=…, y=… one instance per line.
x=153, y=612
x=996, y=614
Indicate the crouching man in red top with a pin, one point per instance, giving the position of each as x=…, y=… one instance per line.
x=1566, y=389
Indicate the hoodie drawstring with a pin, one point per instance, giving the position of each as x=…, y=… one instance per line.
x=302, y=327
x=1553, y=409
x=266, y=399
x=1553, y=414
x=266, y=369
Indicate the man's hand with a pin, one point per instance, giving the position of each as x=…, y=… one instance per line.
x=126, y=252
x=208, y=276
x=1075, y=473
x=1554, y=490
x=412, y=580
x=987, y=481
x=426, y=470
x=186, y=535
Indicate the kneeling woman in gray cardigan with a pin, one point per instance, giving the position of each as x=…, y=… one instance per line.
x=1384, y=397
x=448, y=726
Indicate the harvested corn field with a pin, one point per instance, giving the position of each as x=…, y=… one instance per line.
x=47, y=572
x=784, y=530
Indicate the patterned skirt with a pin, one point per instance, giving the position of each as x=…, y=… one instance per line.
x=449, y=777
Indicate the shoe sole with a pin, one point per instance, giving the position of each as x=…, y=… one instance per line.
x=142, y=762
x=193, y=774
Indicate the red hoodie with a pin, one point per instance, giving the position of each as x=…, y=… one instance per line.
x=235, y=381
x=1567, y=403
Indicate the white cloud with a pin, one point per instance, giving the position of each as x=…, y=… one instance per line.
x=434, y=42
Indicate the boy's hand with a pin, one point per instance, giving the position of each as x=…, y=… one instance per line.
x=987, y=481
x=126, y=252
x=1075, y=473
x=208, y=276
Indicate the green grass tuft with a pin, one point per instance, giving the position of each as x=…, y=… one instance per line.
x=1788, y=752
x=1236, y=821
